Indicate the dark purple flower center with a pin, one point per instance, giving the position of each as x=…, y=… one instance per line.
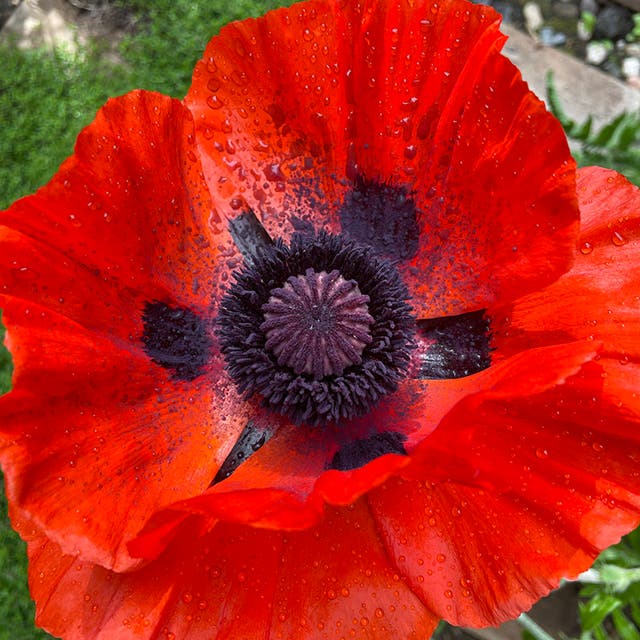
x=320, y=329
x=317, y=323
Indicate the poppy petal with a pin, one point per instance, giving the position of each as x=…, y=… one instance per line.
x=93, y=262
x=546, y=485
x=241, y=582
x=170, y=441
x=341, y=120
x=289, y=480
x=117, y=214
x=596, y=299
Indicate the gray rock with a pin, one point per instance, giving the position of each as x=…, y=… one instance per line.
x=552, y=38
x=597, y=53
x=631, y=67
x=613, y=22
x=589, y=6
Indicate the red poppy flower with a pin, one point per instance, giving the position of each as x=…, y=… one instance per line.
x=339, y=345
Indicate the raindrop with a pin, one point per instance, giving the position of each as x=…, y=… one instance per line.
x=410, y=151
x=213, y=85
x=618, y=239
x=214, y=102
x=586, y=248
x=441, y=557
x=379, y=613
x=541, y=453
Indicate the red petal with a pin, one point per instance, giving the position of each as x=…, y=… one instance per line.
x=93, y=423
x=233, y=583
x=127, y=220
x=128, y=211
x=529, y=488
x=416, y=96
x=597, y=299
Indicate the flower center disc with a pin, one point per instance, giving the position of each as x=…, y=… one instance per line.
x=317, y=323
x=320, y=329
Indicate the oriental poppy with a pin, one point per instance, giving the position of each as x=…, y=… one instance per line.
x=341, y=344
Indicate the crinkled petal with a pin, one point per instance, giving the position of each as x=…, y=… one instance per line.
x=130, y=209
x=235, y=582
x=98, y=414
x=512, y=492
x=417, y=98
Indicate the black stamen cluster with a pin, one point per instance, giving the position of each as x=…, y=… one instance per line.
x=334, y=398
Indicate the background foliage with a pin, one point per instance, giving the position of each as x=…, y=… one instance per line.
x=46, y=98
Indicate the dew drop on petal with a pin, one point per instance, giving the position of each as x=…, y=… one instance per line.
x=410, y=151
x=618, y=239
x=379, y=613
x=586, y=248
x=214, y=102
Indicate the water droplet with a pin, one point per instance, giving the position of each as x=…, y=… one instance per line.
x=441, y=557
x=214, y=84
x=239, y=77
x=211, y=65
x=214, y=102
x=586, y=248
x=541, y=453
x=448, y=594
x=379, y=613
x=331, y=594
x=410, y=151
x=187, y=598
x=618, y=239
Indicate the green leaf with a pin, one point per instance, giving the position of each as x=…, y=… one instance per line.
x=593, y=612
x=626, y=628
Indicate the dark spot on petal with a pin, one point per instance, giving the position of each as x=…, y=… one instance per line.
x=250, y=440
x=357, y=453
x=249, y=235
x=382, y=216
x=461, y=347
x=176, y=339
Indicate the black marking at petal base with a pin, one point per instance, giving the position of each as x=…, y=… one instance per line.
x=176, y=339
x=383, y=216
x=249, y=235
x=251, y=439
x=357, y=453
x=462, y=345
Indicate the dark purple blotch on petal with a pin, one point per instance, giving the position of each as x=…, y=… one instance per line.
x=461, y=347
x=357, y=453
x=382, y=216
x=249, y=236
x=251, y=439
x=176, y=339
